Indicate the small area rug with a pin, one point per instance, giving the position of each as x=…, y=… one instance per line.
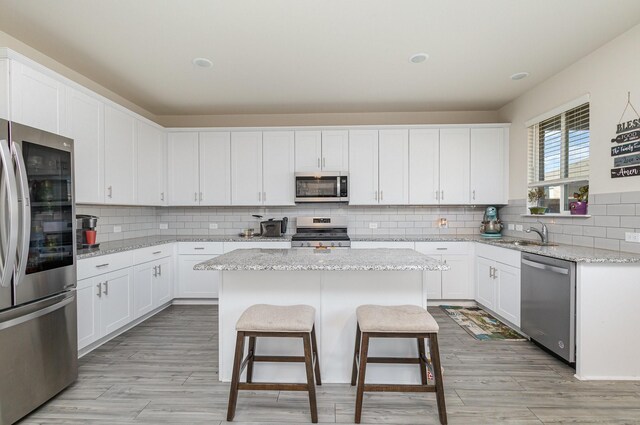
x=481, y=325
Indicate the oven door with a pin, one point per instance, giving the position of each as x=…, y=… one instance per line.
x=319, y=188
x=45, y=264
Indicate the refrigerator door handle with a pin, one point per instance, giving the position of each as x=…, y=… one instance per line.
x=38, y=313
x=25, y=228
x=12, y=201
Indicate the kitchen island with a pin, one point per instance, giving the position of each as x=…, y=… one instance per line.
x=334, y=282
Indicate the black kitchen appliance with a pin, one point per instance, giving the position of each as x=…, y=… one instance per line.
x=273, y=228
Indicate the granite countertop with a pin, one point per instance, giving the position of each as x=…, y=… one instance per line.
x=565, y=252
x=322, y=260
x=579, y=254
x=137, y=243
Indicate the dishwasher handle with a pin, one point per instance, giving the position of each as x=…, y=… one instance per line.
x=546, y=267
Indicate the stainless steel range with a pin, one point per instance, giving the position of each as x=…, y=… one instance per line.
x=319, y=232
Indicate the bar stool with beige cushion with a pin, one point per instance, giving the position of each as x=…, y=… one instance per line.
x=263, y=320
x=402, y=321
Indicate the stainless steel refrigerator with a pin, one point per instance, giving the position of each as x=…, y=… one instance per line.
x=38, y=329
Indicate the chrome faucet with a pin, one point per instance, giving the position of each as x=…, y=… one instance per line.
x=543, y=232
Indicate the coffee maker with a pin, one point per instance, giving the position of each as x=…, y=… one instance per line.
x=85, y=223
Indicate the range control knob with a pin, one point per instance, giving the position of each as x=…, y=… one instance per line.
x=333, y=244
x=308, y=244
x=339, y=243
x=319, y=243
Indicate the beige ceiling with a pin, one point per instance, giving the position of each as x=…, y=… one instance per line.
x=313, y=56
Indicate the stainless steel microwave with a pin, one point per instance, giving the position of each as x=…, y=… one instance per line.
x=322, y=187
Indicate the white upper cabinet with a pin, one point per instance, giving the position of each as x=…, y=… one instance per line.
x=151, y=164
x=335, y=151
x=4, y=89
x=184, y=177
x=393, y=173
x=487, y=169
x=246, y=168
x=278, y=165
x=454, y=166
x=119, y=157
x=85, y=122
x=424, y=166
x=37, y=100
x=215, y=168
x=322, y=151
x=308, y=151
x=363, y=167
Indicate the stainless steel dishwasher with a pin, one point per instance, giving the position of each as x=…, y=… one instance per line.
x=548, y=306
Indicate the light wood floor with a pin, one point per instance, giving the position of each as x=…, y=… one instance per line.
x=165, y=371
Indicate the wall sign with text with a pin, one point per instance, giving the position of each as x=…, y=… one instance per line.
x=627, y=142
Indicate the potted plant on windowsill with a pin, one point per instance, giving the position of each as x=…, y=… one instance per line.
x=536, y=196
x=579, y=207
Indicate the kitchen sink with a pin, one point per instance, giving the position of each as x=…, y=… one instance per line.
x=530, y=243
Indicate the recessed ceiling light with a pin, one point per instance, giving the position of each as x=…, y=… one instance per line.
x=519, y=75
x=202, y=62
x=418, y=58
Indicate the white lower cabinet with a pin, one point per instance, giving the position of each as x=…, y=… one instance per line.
x=192, y=283
x=105, y=304
x=455, y=283
x=498, y=283
x=153, y=283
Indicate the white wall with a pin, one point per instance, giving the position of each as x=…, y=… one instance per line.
x=607, y=75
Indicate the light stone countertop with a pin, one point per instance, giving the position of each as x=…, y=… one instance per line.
x=137, y=243
x=565, y=252
x=378, y=259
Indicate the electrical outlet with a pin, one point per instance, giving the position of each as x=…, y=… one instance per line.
x=164, y=226
x=519, y=227
x=443, y=223
x=373, y=225
x=213, y=226
x=117, y=229
x=632, y=237
x=511, y=226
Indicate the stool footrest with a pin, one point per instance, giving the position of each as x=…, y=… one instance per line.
x=272, y=386
x=399, y=360
x=400, y=388
x=279, y=359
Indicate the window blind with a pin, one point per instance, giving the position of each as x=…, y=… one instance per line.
x=559, y=148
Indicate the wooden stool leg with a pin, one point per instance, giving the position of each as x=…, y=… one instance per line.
x=308, y=361
x=314, y=346
x=235, y=377
x=437, y=371
x=354, y=369
x=364, y=352
x=423, y=365
x=252, y=352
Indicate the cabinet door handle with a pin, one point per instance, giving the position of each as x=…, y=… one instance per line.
x=155, y=271
x=474, y=195
x=162, y=196
x=110, y=189
x=490, y=271
x=157, y=252
x=442, y=195
x=318, y=162
x=324, y=162
x=264, y=196
x=437, y=195
x=376, y=195
x=195, y=196
x=495, y=273
x=106, y=288
x=381, y=195
x=200, y=196
x=160, y=270
x=99, y=266
x=260, y=196
x=99, y=286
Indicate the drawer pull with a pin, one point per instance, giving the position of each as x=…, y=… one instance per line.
x=99, y=266
x=199, y=248
x=442, y=249
x=157, y=252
